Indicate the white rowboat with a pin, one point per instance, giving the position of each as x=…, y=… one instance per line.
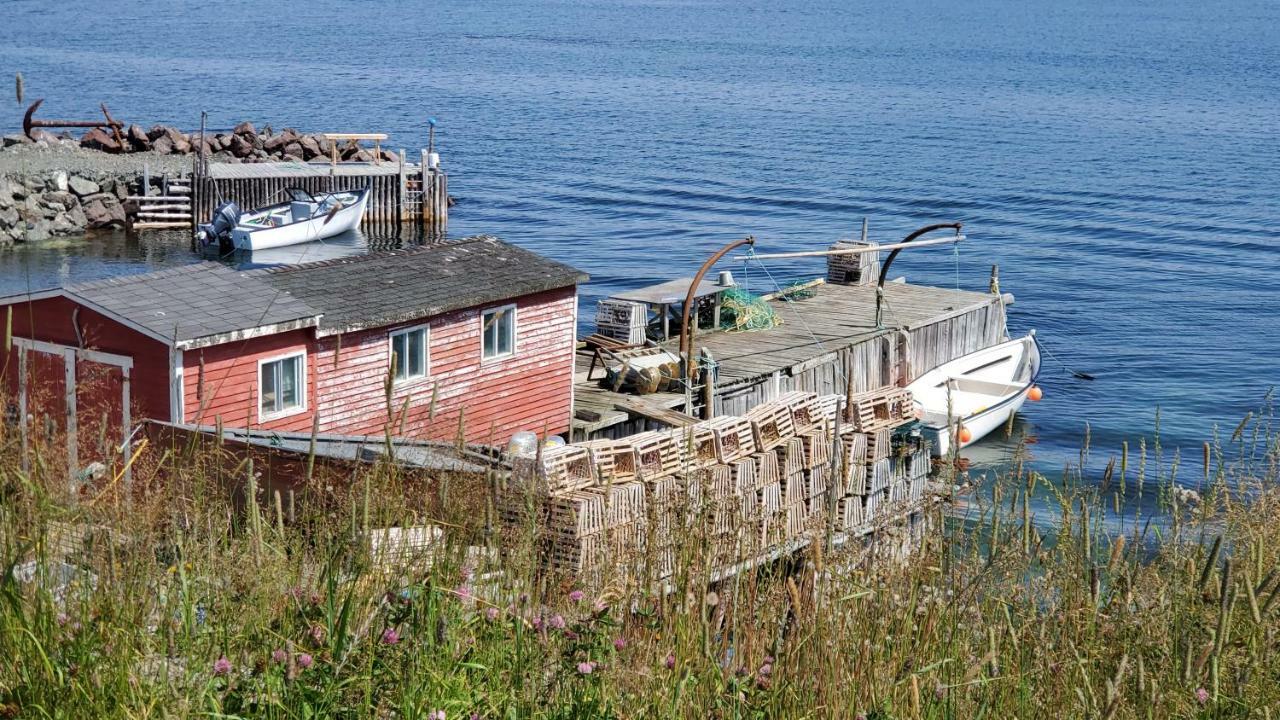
x=978, y=392
x=303, y=218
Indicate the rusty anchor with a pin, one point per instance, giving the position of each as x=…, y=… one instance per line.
x=29, y=122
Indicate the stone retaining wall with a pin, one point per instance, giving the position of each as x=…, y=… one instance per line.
x=37, y=207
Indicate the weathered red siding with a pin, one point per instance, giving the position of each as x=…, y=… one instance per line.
x=529, y=390
x=50, y=320
x=222, y=381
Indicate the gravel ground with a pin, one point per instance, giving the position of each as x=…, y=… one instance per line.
x=38, y=159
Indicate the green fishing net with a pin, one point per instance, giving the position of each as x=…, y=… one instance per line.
x=740, y=310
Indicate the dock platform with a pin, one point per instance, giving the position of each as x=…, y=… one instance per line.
x=827, y=343
x=401, y=192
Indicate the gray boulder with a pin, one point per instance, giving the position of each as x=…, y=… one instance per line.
x=82, y=186
x=103, y=210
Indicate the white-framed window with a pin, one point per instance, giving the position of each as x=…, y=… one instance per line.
x=409, y=359
x=282, y=386
x=498, y=332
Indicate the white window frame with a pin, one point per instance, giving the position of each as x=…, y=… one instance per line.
x=302, y=387
x=514, y=332
x=426, y=354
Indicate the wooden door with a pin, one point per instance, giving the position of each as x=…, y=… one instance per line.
x=100, y=415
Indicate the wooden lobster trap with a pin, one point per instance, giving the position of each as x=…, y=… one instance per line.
x=623, y=503
x=766, y=468
x=771, y=424
x=696, y=446
x=734, y=437
x=616, y=460
x=791, y=460
x=884, y=408
x=817, y=448
x=849, y=513
x=744, y=473
x=557, y=469
x=806, y=411
x=657, y=454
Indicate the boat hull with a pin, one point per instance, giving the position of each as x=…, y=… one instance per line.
x=978, y=392
x=263, y=238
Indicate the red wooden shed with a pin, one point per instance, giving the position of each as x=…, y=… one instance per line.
x=472, y=338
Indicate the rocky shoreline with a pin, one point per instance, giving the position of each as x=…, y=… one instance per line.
x=58, y=185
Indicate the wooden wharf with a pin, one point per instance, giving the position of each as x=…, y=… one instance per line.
x=401, y=193
x=825, y=343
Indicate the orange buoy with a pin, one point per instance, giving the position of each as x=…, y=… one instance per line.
x=1035, y=393
x=964, y=434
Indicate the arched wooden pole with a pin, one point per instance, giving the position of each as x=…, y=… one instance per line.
x=686, y=338
x=884, y=269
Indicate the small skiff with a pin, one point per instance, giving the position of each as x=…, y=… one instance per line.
x=303, y=218
x=965, y=399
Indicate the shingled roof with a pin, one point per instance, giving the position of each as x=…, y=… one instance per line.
x=196, y=305
x=390, y=287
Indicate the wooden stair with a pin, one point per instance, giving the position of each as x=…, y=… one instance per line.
x=169, y=210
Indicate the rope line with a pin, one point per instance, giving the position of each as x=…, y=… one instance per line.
x=751, y=252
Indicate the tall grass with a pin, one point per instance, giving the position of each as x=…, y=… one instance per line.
x=179, y=601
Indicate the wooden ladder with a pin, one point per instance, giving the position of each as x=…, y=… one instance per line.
x=170, y=209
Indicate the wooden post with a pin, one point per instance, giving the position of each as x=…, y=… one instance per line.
x=404, y=190
x=22, y=405
x=864, y=230
x=146, y=179
x=994, y=286
x=426, y=191
x=708, y=384
x=126, y=420
x=73, y=440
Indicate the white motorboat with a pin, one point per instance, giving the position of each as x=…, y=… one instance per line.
x=964, y=400
x=303, y=218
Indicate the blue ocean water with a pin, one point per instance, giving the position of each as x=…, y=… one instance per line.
x=1119, y=161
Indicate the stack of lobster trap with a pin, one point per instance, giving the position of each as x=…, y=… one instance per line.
x=735, y=488
x=884, y=465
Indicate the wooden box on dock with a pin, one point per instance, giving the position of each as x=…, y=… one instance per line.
x=623, y=502
x=828, y=406
x=797, y=520
x=616, y=460
x=766, y=468
x=853, y=269
x=878, y=475
x=770, y=499
x=849, y=513
x=791, y=460
x=771, y=424
x=622, y=320
x=806, y=411
x=572, y=514
x=816, y=481
x=696, y=446
x=879, y=409
x=817, y=448
x=734, y=437
x=818, y=508
x=879, y=445
x=794, y=488
x=744, y=473
x=556, y=469
x=578, y=556
x=871, y=507
x=657, y=454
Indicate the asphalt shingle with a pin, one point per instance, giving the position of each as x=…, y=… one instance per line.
x=195, y=302
x=400, y=285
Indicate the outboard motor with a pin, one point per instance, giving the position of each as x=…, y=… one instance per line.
x=218, y=229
